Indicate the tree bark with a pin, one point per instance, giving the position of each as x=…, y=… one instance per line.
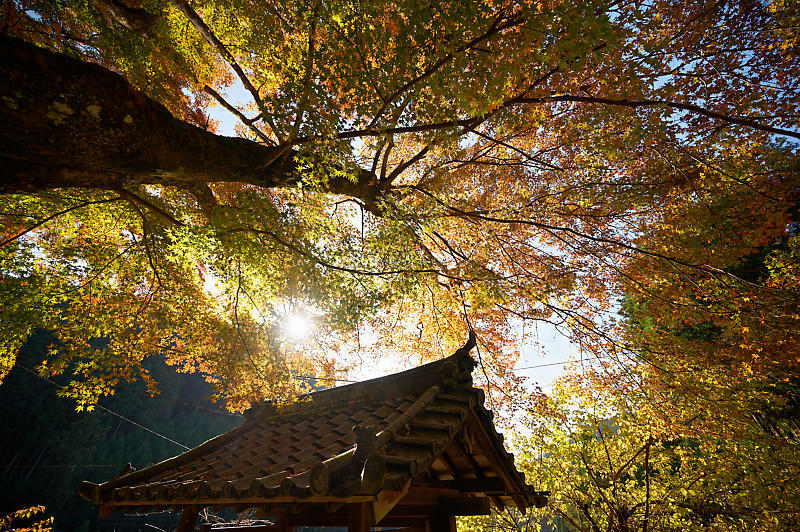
x=134, y=19
x=68, y=123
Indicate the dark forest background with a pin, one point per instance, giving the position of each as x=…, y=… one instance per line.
x=47, y=448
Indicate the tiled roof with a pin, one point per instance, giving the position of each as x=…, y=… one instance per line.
x=342, y=444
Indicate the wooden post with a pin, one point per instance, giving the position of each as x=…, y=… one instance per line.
x=443, y=523
x=188, y=519
x=359, y=517
x=282, y=525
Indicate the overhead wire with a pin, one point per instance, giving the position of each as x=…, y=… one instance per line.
x=301, y=377
x=559, y=363
x=74, y=466
x=188, y=405
x=101, y=407
x=139, y=425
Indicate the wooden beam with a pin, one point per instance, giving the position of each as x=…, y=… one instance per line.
x=448, y=465
x=386, y=500
x=425, y=495
x=107, y=509
x=477, y=469
x=343, y=521
x=462, y=446
x=360, y=517
x=188, y=519
x=466, y=506
x=445, y=507
x=470, y=485
x=441, y=524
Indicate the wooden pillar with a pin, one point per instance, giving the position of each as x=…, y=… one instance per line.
x=443, y=523
x=360, y=517
x=282, y=525
x=188, y=519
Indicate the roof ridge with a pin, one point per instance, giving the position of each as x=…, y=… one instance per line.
x=454, y=369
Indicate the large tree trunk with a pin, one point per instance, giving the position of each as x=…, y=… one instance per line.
x=67, y=123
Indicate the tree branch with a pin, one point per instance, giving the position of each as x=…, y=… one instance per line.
x=496, y=27
x=657, y=103
x=555, y=228
x=136, y=199
x=403, y=165
x=249, y=122
x=312, y=34
x=89, y=128
x=220, y=48
x=310, y=256
x=134, y=19
x=645, y=524
x=54, y=216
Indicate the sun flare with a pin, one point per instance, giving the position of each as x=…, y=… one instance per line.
x=297, y=326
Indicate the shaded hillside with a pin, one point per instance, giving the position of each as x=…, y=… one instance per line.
x=47, y=448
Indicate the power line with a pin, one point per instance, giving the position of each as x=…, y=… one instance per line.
x=545, y=365
x=330, y=379
x=74, y=466
x=132, y=422
x=300, y=377
x=188, y=405
x=561, y=362
x=143, y=427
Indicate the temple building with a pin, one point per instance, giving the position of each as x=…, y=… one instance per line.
x=409, y=451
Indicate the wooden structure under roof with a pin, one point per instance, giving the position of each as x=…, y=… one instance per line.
x=410, y=450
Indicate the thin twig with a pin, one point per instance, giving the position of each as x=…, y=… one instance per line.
x=249, y=122
x=56, y=215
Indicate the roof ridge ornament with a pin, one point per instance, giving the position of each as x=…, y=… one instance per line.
x=366, y=439
x=465, y=362
x=472, y=341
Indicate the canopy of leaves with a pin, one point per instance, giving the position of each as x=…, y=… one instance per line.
x=484, y=164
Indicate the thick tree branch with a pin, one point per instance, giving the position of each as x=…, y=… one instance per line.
x=137, y=200
x=134, y=19
x=405, y=164
x=204, y=196
x=87, y=127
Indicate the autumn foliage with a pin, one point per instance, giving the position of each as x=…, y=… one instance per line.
x=624, y=171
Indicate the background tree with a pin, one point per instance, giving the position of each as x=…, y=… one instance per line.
x=606, y=471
